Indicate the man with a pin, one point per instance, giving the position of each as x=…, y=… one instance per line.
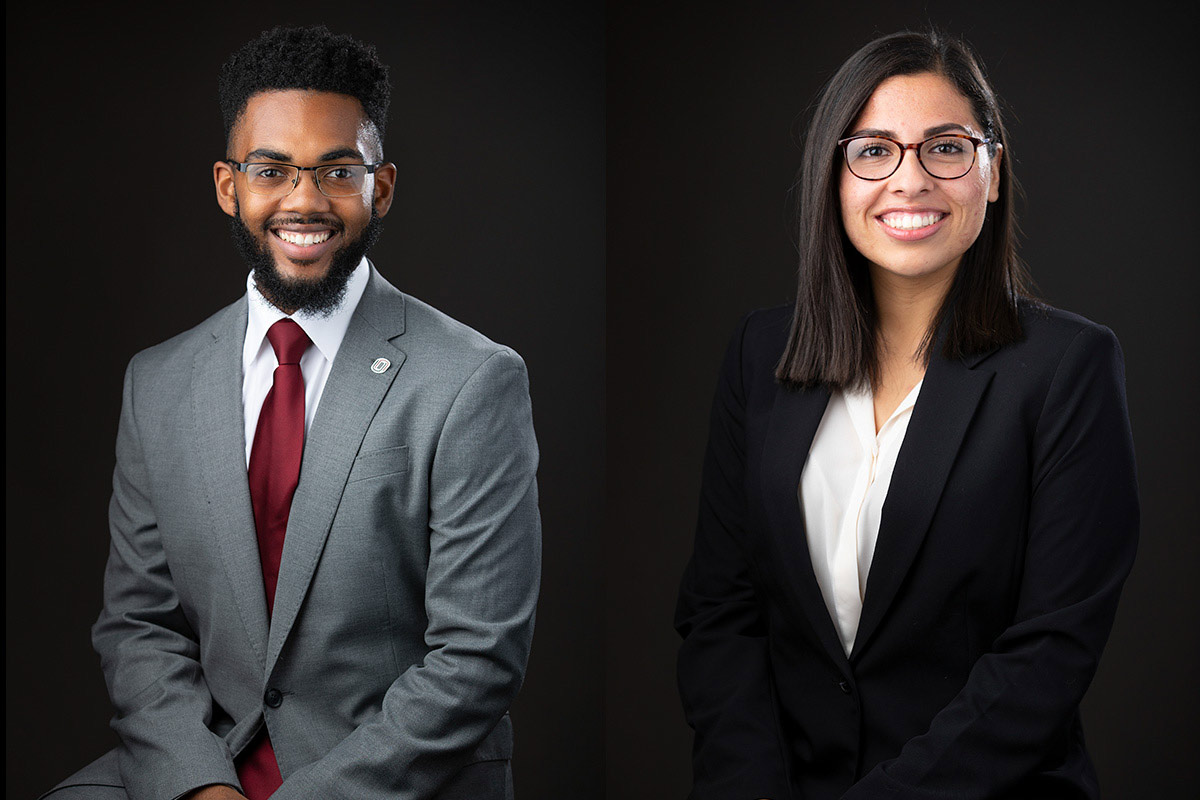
x=325, y=537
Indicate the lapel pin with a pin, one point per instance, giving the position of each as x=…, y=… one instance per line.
x=380, y=366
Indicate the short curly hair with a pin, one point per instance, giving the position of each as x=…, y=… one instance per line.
x=311, y=57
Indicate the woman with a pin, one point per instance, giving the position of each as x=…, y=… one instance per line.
x=918, y=504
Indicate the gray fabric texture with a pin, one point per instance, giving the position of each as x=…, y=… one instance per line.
x=410, y=570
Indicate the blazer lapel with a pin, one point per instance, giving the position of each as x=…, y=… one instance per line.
x=940, y=419
x=221, y=451
x=351, y=397
x=793, y=423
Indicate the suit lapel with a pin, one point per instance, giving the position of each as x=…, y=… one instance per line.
x=940, y=419
x=793, y=423
x=351, y=397
x=220, y=441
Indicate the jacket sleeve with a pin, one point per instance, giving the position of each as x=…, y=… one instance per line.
x=723, y=670
x=148, y=650
x=1081, y=540
x=481, y=591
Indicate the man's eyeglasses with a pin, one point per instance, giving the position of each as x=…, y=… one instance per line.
x=948, y=156
x=278, y=180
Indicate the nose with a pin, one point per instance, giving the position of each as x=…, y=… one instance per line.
x=910, y=177
x=306, y=197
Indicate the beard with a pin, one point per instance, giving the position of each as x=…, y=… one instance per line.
x=319, y=296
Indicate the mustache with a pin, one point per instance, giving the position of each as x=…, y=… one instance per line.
x=296, y=219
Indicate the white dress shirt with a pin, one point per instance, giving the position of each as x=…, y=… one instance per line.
x=258, y=357
x=842, y=490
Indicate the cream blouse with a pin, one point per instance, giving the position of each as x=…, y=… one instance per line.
x=841, y=492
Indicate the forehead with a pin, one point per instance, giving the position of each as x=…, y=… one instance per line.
x=297, y=121
x=909, y=104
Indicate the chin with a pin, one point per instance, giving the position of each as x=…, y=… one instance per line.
x=914, y=269
x=302, y=271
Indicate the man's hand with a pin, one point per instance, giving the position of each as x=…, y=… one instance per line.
x=215, y=791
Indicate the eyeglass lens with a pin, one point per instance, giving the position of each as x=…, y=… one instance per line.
x=335, y=180
x=943, y=157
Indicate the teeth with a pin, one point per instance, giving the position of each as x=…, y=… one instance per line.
x=909, y=222
x=304, y=239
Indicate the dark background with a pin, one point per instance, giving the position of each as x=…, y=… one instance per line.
x=499, y=124
x=703, y=102
x=114, y=243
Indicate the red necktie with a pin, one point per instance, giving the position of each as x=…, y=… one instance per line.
x=274, y=472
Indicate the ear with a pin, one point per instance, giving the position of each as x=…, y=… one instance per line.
x=385, y=186
x=223, y=180
x=994, y=181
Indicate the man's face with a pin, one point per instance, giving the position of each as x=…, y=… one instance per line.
x=303, y=245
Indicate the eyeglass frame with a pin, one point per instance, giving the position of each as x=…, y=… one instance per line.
x=843, y=145
x=242, y=166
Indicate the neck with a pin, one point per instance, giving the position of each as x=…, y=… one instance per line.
x=905, y=308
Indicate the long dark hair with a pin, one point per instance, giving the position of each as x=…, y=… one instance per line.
x=833, y=336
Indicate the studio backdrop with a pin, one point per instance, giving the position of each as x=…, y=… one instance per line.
x=603, y=187
x=115, y=243
x=706, y=102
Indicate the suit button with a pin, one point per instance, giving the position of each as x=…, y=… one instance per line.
x=273, y=698
x=845, y=687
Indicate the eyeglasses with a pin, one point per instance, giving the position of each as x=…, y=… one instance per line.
x=947, y=157
x=278, y=180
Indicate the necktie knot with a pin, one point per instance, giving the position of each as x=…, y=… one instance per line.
x=288, y=340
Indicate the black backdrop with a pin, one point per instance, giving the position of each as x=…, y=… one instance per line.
x=503, y=117
x=114, y=242
x=703, y=104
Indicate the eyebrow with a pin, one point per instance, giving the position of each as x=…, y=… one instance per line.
x=934, y=131
x=275, y=155
x=263, y=152
x=342, y=152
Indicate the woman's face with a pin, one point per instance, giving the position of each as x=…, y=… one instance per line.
x=912, y=225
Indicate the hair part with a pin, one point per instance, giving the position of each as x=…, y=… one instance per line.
x=312, y=58
x=833, y=340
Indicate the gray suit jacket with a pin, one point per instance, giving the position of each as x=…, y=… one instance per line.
x=410, y=570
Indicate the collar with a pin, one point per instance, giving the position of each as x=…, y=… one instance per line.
x=860, y=404
x=326, y=332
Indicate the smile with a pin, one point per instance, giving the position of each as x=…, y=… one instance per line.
x=910, y=227
x=306, y=244
x=911, y=222
x=303, y=239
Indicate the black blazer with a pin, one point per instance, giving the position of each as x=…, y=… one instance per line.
x=1008, y=530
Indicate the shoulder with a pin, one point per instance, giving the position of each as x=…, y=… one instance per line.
x=1053, y=330
x=1064, y=362
x=439, y=350
x=754, y=348
x=766, y=330
x=178, y=352
x=472, y=368
x=1053, y=338
x=760, y=337
x=430, y=333
x=458, y=374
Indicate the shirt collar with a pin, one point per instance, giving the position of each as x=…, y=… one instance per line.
x=860, y=404
x=326, y=332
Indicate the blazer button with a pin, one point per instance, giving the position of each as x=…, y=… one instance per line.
x=273, y=698
x=845, y=687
